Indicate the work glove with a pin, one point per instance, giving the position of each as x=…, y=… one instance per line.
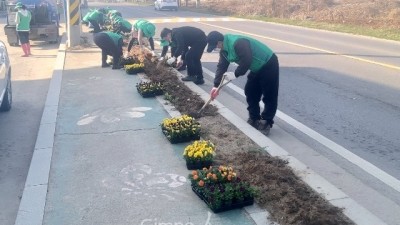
x=161, y=58
x=171, y=60
x=179, y=63
x=214, y=93
x=230, y=76
x=153, y=53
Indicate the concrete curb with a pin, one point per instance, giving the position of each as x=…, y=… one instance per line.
x=33, y=202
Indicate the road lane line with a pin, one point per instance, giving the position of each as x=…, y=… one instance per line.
x=308, y=47
x=338, y=149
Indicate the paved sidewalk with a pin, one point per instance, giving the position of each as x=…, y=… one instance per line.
x=111, y=164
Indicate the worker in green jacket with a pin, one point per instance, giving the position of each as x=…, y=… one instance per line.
x=262, y=80
x=96, y=19
x=110, y=44
x=143, y=29
x=113, y=13
x=60, y=9
x=22, y=20
x=120, y=25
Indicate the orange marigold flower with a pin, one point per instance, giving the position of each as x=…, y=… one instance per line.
x=194, y=172
x=201, y=183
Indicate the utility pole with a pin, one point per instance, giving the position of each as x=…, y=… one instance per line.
x=74, y=22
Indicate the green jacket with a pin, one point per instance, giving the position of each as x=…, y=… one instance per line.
x=261, y=53
x=95, y=15
x=147, y=28
x=122, y=22
x=114, y=37
x=87, y=15
x=23, y=20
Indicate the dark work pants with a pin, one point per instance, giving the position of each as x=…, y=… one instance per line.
x=108, y=47
x=263, y=83
x=193, y=57
x=23, y=36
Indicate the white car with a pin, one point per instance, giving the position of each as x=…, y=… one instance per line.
x=166, y=4
x=5, y=79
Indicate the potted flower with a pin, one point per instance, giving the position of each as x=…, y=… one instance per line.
x=181, y=129
x=129, y=60
x=149, y=89
x=134, y=68
x=199, y=154
x=221, y=189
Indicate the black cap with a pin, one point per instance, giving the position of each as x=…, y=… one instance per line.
x=212, y=40
x=165, y=32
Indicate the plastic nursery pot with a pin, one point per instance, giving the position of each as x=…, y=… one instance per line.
x=150, y=94
x=224, y=206
x=198, y=164
x=134, y=68
x=181, y=139
x=149, y=89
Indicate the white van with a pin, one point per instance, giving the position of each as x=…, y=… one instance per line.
x=166, y=4
x=5, y=79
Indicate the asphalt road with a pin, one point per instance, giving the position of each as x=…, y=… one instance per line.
x=19, y=126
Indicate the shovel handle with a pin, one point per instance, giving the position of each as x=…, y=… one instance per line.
x=221, y=84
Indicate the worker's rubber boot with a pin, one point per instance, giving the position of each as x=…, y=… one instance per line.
x=264, y=127
x=199, y=80
x=25, y=49
x=189, y=78
x=254, y=123
x=28, y=47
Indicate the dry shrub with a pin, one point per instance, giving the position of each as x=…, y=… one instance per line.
x=357, y=12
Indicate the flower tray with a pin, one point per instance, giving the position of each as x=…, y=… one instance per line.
x=134, y=71
x=198, y=165
x=181, y=129
x=226, y=206
x=181, y=139
x=149, y=89
x=134, y=68
x=150, y=94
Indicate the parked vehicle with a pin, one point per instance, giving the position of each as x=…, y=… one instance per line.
x=44, y=22
x=166, y=4
x=5, y=79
